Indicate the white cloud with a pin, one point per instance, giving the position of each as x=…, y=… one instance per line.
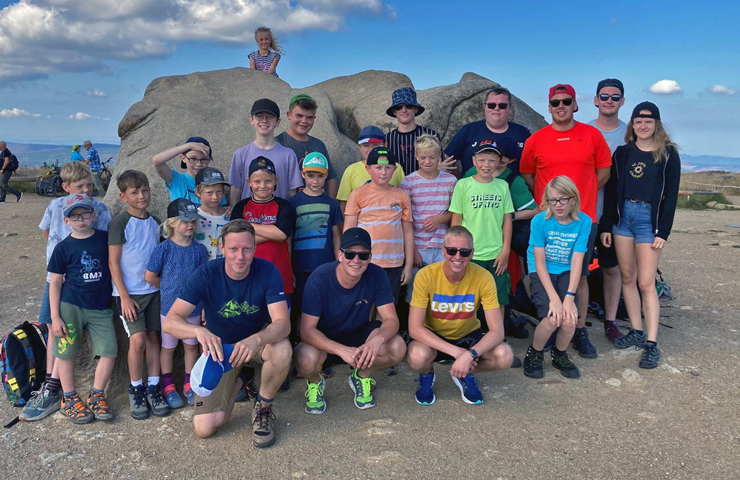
x=80, y=116
x=96, y=93
x=722, y=90
x=665, y=87
x=42, y=37
x=17, y=112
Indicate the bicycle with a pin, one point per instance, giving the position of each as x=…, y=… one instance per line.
x=105, y=173
x=50, y=183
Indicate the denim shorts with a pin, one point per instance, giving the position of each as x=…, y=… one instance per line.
x=636, y=222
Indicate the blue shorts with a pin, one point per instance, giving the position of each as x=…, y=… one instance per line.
x=636, y=222
x=45, y=311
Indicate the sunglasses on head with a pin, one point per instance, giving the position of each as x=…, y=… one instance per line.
x=605, y=96
x=351, y=254
x=556, y=103
x=501, y=106
x=464, y=252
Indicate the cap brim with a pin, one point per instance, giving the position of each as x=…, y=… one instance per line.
x=490, y=149
x=209, y=183
x=316, y=169
x=263, y=110
x=190, y=218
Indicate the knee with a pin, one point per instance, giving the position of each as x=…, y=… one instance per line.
x=503, y=355
x=396, y=348
x=205, y=427
x=279, y=353
x=646, y=286
x=137, y=342
x=418, y=356
x=307, y=358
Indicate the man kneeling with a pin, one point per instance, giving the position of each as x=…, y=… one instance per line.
x=245, y=305
x=443, y=322
x=336, y=326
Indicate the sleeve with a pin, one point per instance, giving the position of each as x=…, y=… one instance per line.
x=313, y=296
x=294, y=173
x=609, y=215
x=156, y=259
x=196, y=288
x=89, y=155
x=235, y=172
x=457, y=202
x=420, y=295
x=345, y=185
x=117, y=231
x=58, y=261
x=273, y=284
x=670, y=194
x=45, y=223
x=456, y=147
x=488, y=293
x=406, y=186
x=584, y=232
x=508, y=204
x=285, y=218
x=527, y=162
x=383, y=295
x=406, y=215
x=353, y=207
x=174, y=180
x=238, y=210
x=521, y=196
x=602, y=152
x=335, y=214
x=537, y=231
x=251, y=55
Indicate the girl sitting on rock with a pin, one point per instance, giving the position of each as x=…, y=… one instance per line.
x=267, y=55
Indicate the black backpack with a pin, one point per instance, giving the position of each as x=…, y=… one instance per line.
x=520, y=228
x=14, y=164
x=23, y=361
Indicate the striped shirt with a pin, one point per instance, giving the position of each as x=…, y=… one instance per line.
x=429, y=198
x=402, y=145
x=94, y=159
x=382, y=213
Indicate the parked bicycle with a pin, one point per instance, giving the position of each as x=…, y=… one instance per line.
x=105, y=173
x=50, y=183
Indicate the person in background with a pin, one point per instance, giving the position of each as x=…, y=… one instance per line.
x=401, y=140
x=6, y=173
x=268, y=54
x=92, y=159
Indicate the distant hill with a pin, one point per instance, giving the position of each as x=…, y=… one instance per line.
x=35, y=154
x=709, y=163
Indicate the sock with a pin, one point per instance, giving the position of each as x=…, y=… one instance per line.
x=70, y=394
x=137, y=383
x=535, y=350
x=264, y=400
x=556, y=350
x=166, y=379
x=54, y=385
x=47, y=377
x=640, y=333
x=187, y=378
x=650, y=343
x=96, y=391
x=153, y=381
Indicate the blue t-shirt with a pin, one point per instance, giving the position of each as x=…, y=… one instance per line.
x=174, y=264
x=313, y=240
x=76, y=156
x=462, y=146
x=84, y=264
x=558, y=240
x=182, y=185
x=235, y=309
x=342, y=311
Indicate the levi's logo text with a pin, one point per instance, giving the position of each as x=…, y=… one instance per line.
x=486, y=200
x=453, y=307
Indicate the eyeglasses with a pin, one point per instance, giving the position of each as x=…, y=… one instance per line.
x=559, y=201
x=556, y=103
x=400, y=107
x=351, y=254
x=605, y=96
x=202, y=161
x=464, y=252
x=501, y=106
x=77, y=216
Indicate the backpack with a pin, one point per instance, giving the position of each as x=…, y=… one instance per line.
x=14, y=164
x=520, y=228
x=23, y=361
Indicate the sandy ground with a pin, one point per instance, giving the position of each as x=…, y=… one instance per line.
x=678, y=421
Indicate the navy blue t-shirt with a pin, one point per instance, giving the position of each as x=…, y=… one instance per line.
x=84, y=264
x=342, y=311
x=313, y=240
x=462, y=146
x=235, y=309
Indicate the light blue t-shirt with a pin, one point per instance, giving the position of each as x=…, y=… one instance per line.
x=558, y=240
x=182, y=185
x=76, y=156
x=614, y=139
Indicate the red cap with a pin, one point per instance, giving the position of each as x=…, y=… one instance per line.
x=561, y=88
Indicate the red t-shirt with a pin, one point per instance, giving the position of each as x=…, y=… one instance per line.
x=276, y=212
x=576, y=153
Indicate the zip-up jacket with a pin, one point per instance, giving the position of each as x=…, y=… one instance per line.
x=664, y=195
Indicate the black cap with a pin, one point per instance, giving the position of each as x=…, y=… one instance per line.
x=649, y=106
x=265, y=105
x=183, y=209
x=610, y=82
x=197, y=140
x=210, y=176
x=489, y=146
x=376, y=153
x=356, y=236
x=261, y=163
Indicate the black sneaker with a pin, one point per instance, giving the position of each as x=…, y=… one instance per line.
x=514, y=330
x=632, y=339
x=650, y=357
x=516, y=362
x=583, y=344
x=533, y=363
x=561, y=361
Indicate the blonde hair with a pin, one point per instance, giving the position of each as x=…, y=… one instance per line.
x=201, y=186
x=168, y=227
x=274, y=45
x=661, y=140
x=74, y=172
x=460, y=231
x=428, y=142
x=567, y=187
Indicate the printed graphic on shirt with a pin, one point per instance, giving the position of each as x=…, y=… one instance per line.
x=232, y=309
x=88, y=265
x=559, y=246
x=638, y=169
x=312, y=224
x=262, y=219
x=487, y=200
x=452, y=307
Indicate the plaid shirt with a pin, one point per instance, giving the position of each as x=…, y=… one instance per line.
x=94, y=159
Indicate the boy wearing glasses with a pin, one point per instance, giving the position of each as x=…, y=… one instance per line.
x=336, y=326
x=401, y=141
x=195, y=155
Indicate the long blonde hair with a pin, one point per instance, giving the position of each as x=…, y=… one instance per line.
x=168, y=227
x=274, y=44
x=661, y=140
x=567, y=187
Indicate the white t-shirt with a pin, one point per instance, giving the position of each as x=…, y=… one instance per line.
x=139, y=237
x=208, y=231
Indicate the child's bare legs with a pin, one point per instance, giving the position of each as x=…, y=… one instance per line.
x=192, y=352
x=66, y=374
x=166, y=360
x=544, y=330
x=103, y=372
x=152, y=354
x=135, y=357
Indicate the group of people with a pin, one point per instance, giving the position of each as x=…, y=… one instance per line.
x=283, y=267
x=92, y=160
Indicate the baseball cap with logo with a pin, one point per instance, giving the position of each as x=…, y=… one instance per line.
x=210, y=176
x=315, y=162
x=261, y=163
x=265, y=105
x=375, y=157
x=356, y=236
x=183, y=209
x=371, y=134
x=207, y=371
x=197, y=140
x=77, y=200
x=490, y=146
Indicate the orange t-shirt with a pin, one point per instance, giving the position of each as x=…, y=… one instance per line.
x=576, y=153
x=382, y=213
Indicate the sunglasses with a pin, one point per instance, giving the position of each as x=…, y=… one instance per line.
x=351, y=254
x=605, y=96
x=556, y=103
x=559, y=201
x=464, y=252
x=400, y=107
x=501, y=106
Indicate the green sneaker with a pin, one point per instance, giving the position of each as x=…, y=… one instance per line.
x=363, y=388
x=41, y=405
x=315, y=397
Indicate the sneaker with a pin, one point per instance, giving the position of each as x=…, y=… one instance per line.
x=2, y=200
x=516, y=362
x=315, y=397
x=137, y=402
x=424, y=393
x=533, y=363
x=631, y=339
x=75, y=410
x=286, y=384
x=561, y=361
x=41, y=405
x=469, y=390
x=390, y=371
x=363, y=388
x=172, y=398
x=326, y=373
x=19, y=196
x=583, y=344
x=650, y=357
x=98, y=405
x=189, y=393
x=157, y=404
x=263, y=431
x=612, y=331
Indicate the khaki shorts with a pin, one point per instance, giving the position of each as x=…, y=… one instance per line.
x=99, y=324
x=220, y=398
x=147, y=316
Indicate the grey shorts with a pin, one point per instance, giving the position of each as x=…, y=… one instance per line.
x=147, y=316
x=539, y=295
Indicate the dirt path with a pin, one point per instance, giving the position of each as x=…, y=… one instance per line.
x=679, y=421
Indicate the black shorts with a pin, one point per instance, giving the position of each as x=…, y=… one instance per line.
x=352, y=339
x=589, y=249
x=607, y=256
x=539, y=295
x=467, y=342
x=394, y=277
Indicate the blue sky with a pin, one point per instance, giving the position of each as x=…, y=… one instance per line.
x=69, y=72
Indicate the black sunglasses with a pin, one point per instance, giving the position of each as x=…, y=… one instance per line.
x=351, y=254
x=501, y=106
x=556, y=103
x=464, y=252
x=605, y=96
x=399, y=107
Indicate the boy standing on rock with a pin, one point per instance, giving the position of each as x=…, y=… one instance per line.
x=405, y=108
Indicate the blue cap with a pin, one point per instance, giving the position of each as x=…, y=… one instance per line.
x=371, y=134
x=77, y=200
x=207, y=371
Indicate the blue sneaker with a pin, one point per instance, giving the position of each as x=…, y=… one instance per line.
x=189, y=393
x=469, y=390
x=424, y=393
x=172, y=398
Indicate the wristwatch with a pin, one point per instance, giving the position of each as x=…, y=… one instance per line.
x=473, y=354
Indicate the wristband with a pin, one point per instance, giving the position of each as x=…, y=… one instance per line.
x=570, y=293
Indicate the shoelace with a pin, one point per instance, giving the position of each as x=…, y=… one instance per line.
x=75, y=406
x=367, y=386
x=313, y=391
x=100, y=401
x=425, y=381
x=37, y=397
x=536, y=360
x=563, y=360
x=138, y=397
x=263, y=415
x=471, y=383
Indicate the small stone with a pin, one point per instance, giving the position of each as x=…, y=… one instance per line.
x=614, y=382
x=695, y=373
x=686, y=307
x=670, y=368
x=711, y=204
x=630, y=375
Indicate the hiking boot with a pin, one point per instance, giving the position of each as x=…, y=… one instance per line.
x=469, y=391
x=583, y=344
x=189, y=393
x=75, y=410
x=516, y=362
x=315, y=403
x=612, y=331
x=533, y=363
x=137, y=402
x=515, y=330
x=172, y=398
x=156, y=402
x=41, y=405
x=651, y=356
x=363, y=389
x=98, y=405
x=424, y=393
x=263, y=431
x=561, y=361
x=631, y=339
x=19, y=197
